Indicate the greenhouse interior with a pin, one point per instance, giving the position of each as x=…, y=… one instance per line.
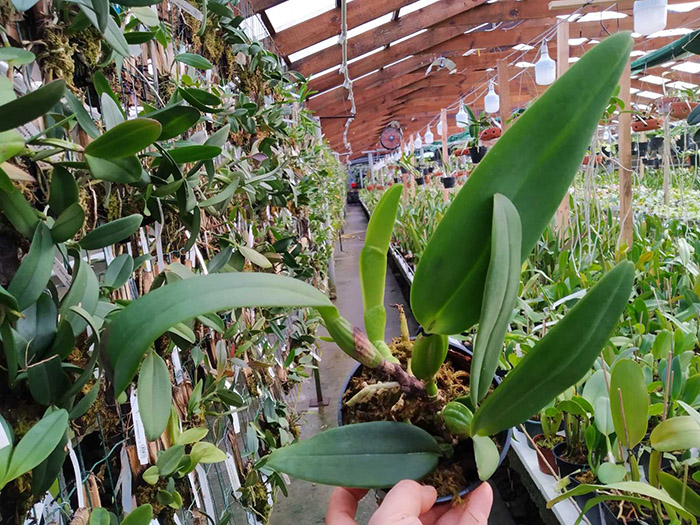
x=256, y=254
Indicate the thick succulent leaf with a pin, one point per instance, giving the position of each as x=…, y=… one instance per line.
x=84, y=291
x=119, y=271
x=139, y=516
x=47, y=381
x=16, y=208
x=373, y=261
x=368, y=455
x=676, y=489
x=63, y=191
x=125, y=139
x=112, y=232
x=147, y=318
x=627, y=379
x=196, y=61
x=194, y=153
x=37, y=444
x=560, y=359
x=154, y=395
x=31, y=106
x=123, y=170
x=68, y=223
x=500, y=292
x=533, y=165
x=677, y=433
x=35, y=271
x=82, y=116
x=486, y=455
x=175, y=120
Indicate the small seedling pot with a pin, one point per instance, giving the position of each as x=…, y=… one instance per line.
x=595, y=515
x=448, y=182
x=681, y=109
x=649, y=124
x=477, y=153
x=565, y=466
x=460, y=358
x=548, y=457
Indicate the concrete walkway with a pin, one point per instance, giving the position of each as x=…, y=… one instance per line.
x=307, y=502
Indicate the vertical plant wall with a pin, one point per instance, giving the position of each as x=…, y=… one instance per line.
x=144, y=144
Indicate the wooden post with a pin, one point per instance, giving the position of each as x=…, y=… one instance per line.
x=624, y=135
x=666, y=158
x=504, y=92
x=445, y=134
x=564, y=210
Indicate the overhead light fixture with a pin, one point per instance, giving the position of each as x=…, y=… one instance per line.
x=418, y=143
x=650, y=16
x=462, y=116
x=492, y=102
x=429, y=139
x=439, y=127
x=545, y=68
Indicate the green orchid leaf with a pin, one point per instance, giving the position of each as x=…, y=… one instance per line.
x=35, y=271
x=63, y=191
x=154, y=395
x=168, y=460
x=82, y=116
x=546, y=371
x=36, y=445
x=11, y=143
x=112, y=232
x=84, y=291
x=630, y=419
x=112, y=112
x=119, y=271
x=36, y=328
x=373, y=262
x=500, y=292
x=429, y=352
x=31, y=106
x=47, y=381
x=532, y=164
x=146, y=15
x=200, y=99
x=368, y=455
x=16, y=56
x=486, y=455
x=125, y=139
x=139, y=516
x=99, y=516
x=677, y=433
x=603, y=416
x=175, y=120
x=134, y=38
x=112, y=34
x=82, y=406
x=684, y=495
x=255, y=257
x=16, y=208
x=123, y=170
x=144, y=320
x=69, y=222
x=196, y=61
x=611, y=473
x=204, y=452
x=194, y=153
x=44, y=475
x=191, y=435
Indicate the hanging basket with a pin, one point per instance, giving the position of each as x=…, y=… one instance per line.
x=681, y=109
x=649, y=124
x=490, y=133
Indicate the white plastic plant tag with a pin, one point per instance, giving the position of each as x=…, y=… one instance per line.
x=206, y=491
x=197, y=499
x=232, y=474
x=78, y=480
x=286, y=478
x=139, y=432
x=4, y=440
x=125, y=481
x=188, y=8
x=236, y=423
x=144, y=247
x=177, y=366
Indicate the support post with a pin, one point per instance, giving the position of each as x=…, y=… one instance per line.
x=504, y=92
x=445, y=134
x=625, y=171
x=370, y=163
x=667, y=159
x=564, y=210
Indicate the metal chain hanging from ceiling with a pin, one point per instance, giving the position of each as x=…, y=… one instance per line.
x=347, y=83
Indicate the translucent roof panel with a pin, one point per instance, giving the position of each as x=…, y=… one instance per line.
x=291, y=12
x=653, y=79
x=687, y=67
x=415, y=6
x=254, y=28
x=408, y=36
x=377, y=50
x=684, y=7
x=320, y=46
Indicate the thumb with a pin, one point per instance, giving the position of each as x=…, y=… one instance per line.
x=407, y=499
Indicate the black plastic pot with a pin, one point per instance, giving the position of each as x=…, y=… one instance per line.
x=594, y=515
x=420, y=181
x=456, y=353
x=533, y=428
x=656, y=143
x=448, y=182
x=643, y=148
x=477, y=153
x=564, y=466
x=396, y=180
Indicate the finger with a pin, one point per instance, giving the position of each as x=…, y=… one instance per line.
x=406, y=499
x=474, y=511
x=433, y=515
x=342, y=506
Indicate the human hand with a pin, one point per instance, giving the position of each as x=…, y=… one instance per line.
x=410, y=503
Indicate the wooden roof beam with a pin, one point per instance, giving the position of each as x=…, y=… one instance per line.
x=384, y=34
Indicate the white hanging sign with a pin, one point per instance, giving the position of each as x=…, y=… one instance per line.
x=139, y=432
